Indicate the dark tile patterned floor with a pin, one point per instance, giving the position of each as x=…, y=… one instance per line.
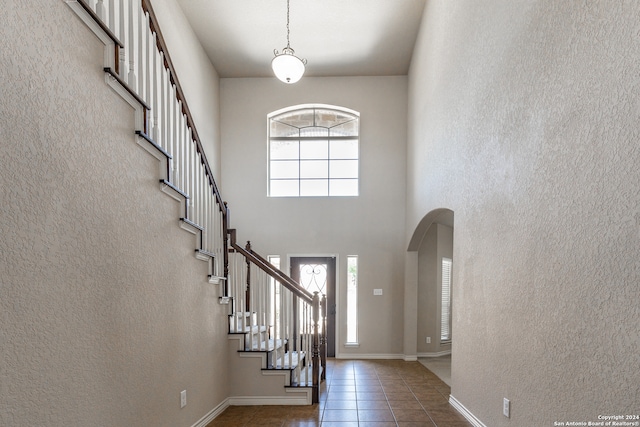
x=366, y=393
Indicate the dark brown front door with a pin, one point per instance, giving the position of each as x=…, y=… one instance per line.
x=318, y=274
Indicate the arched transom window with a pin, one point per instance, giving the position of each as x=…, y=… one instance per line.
x=313, y=151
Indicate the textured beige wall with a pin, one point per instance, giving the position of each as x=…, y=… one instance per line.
x=523, y=120
x=370, y=226
x=106, y=315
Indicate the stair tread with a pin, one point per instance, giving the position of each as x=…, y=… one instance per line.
x=310, y=377
x=268, y=345
x=283, y=362
x=249, y=329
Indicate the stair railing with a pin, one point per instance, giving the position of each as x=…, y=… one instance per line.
x=138, y=66
x=266, y=298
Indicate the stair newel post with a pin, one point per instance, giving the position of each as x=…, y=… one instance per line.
x=316, y=348
x=323, y=337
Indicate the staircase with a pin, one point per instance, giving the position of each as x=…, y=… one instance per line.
x=275, y=324
x=277, y=352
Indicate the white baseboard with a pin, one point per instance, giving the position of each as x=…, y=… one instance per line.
x=408, y=358
x=268, y=400
x=465, y=412
x=202, y=422
x=435, y=354
x=369, y=356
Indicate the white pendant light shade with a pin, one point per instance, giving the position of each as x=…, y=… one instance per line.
x=287, y=67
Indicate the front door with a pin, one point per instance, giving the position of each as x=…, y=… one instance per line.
x=318, y=274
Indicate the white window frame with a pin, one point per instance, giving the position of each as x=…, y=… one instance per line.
x=300, y=179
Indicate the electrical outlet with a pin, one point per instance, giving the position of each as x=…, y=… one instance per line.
x=506, y=407
x=183, y=398
x=377, y=291
x=428, y=340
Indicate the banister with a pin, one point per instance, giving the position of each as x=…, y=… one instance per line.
x=279, y=272
x=273, y=272
x=162, y=47
x=305, y=308
x=276, y=274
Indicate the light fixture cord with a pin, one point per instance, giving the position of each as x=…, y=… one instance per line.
x=288, y=24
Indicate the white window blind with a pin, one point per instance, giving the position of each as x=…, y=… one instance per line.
x=445, y=320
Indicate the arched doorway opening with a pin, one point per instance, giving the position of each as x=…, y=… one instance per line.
x=432, y=247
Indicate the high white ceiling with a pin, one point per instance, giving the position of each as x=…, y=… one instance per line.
x=337, y=37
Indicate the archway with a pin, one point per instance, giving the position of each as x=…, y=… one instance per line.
x=431, y=253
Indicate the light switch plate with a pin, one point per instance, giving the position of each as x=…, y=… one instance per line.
x=377, y=291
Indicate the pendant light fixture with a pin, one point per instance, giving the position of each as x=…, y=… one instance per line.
x=286, y=65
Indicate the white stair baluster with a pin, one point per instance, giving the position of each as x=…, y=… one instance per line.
x=175, y=123
x=169, y=107
x=142, y=63
x=203, y=189
x=291, y=324
x=241, y=287
x=192, y=191
x=112, y=20
x=131, y=46
x=261, y=300
x=255, y=301
x=308, y=346
x=155, y=130
x=179, y=149
x=163, y=103
x=188, y=171
x=267, y=311
x=198, y=191
x=123, y=50
x=183, y=157
x=100, y=10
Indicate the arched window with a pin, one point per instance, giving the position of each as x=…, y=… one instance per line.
x=313, y=151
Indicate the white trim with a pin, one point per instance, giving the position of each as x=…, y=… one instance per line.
x=202, y=422
x=173, y=193
x=89, y=22
x=370, y=356
x=465, y=412
x=272, y=400
x=193, y=230
x=217, y=280
x=124, y=94
x=351, y=344
x=435, y=354
x=408, y=358
x=322, y=106
x=149, y=148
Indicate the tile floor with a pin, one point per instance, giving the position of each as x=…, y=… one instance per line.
x=367, y=393
x=441, y=366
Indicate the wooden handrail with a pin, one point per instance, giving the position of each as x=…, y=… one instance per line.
x=162, y=47
x=315, y=311
x=101, y=24
x=268, y=268
x=281, y=273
